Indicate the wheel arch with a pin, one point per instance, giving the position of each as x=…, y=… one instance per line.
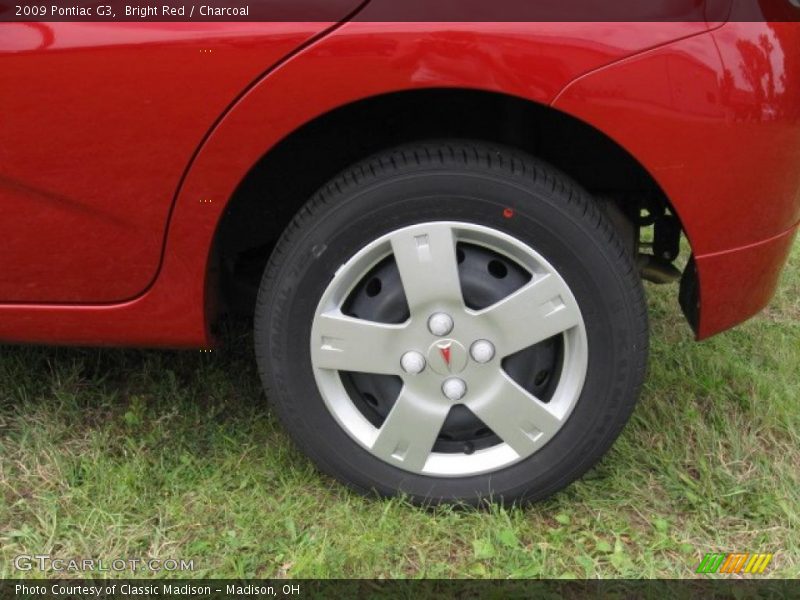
x=239, y=175
x=288, y=174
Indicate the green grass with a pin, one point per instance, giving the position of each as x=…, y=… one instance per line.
x=112, y=453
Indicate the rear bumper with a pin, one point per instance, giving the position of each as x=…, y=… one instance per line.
x=715, y=119
x=736, y=284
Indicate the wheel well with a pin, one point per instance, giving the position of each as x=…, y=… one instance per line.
x=289, y=174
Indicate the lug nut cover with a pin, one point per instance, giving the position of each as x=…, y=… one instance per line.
x=440, y=324
x=454, y=388
x=412, y=362
x=482, y=351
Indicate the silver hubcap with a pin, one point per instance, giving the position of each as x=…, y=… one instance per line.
x=448, y=354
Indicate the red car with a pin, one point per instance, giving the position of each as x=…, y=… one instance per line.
x=439, y=228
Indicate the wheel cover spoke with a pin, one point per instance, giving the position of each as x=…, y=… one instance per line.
x=426, y=258
x=410, y=430
x=521, y=420
x=538, y=311
x=347, y=344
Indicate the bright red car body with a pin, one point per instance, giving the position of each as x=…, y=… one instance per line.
x=122, y=144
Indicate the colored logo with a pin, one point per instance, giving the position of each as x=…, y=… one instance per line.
x=734, y=563
x=447, y=357
x=444, y=350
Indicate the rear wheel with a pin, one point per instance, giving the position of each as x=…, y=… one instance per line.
x=452, y=321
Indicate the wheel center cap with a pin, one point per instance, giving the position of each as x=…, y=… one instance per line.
x=447, y=357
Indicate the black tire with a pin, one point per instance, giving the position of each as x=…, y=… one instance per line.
x=470, y=182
